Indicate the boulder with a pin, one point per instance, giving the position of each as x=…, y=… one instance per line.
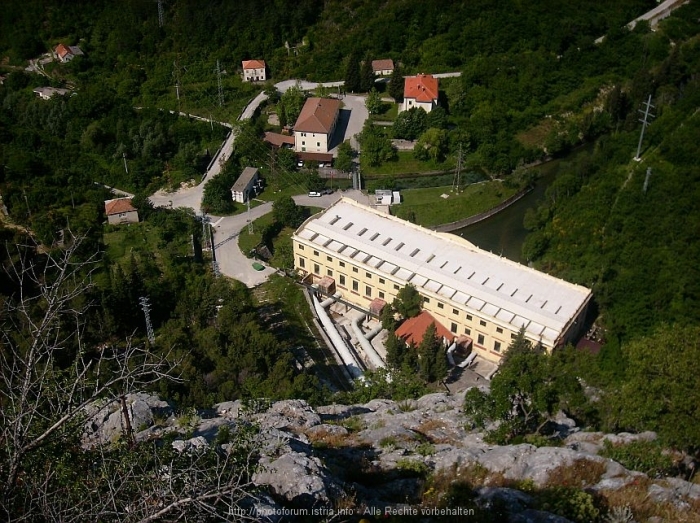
x=298, y=478
x=289, y=414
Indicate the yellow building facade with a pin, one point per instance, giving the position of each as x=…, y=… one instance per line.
x=369, y=255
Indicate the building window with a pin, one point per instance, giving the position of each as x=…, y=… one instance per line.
x=317, y=269
x=342, y=264
x=303, y=143
x=301, y=247
x=368, y=290
x=368, y=276
x=315, y=253
x=480, y=339
x=396, y=287
x=381, y=295
x=453, y=327
x=469, y=317
x=328, y=258
x=482, y=323
x=329, y=272
x=355, y=286
x=302, y=263
x=441, y=305
x=354, y=269
x=426, y=300
x=318, y=144
x=499, y=330
x=455, y=311
x=342, y=280
x=497, y=346
x=513, y=336
x=381, y=280
x=467, y=331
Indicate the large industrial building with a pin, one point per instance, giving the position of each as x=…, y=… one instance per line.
x=368, y=256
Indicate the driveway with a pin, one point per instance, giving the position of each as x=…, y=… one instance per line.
x=350, y=124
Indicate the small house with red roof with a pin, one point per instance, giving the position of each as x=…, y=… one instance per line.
x=313, y=130
x=254, y=71
x=413, y=329
x=420, y=91
x=65, y=53
x=383, y=67
x=121, y=211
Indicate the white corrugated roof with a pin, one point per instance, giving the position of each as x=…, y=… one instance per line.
x=449, y=266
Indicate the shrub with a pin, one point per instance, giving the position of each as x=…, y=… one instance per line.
x=411, y=467
x=571, y=503
x=643, y=456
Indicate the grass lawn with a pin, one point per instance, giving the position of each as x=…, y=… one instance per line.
x=388, y=113
x=247, y=242
x=406, y=163
x=430, y=208
x=124, y=240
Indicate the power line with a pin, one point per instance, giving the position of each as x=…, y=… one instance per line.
x=645, y=122
x=160, y=14
x=218, y=80
x=146, y=306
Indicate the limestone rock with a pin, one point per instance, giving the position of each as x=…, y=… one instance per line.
x=296, y=477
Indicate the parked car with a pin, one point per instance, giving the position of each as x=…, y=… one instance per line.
x=327, y=191
x=314, y=194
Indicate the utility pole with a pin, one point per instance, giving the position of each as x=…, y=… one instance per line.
x=250, y=221
x=645, y=122
x=218, y=80
x=456, y=179
x=126, y=168
x=646, y=180
x=176, y=74
x=146, y=307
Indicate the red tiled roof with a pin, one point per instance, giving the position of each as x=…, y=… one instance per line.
x=382, y=65
x=423, y=88
x=62, y=51
x=413, y=329
x=278, y=140
x=315, y=157
x=253, y=64
x=318, y=115
x=118, y=206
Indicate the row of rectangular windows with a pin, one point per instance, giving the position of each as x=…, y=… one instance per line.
x=368, y=275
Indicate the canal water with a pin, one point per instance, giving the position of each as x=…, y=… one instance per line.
x=504, y=233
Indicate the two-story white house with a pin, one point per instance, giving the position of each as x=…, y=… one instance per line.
x=313, y=130
x=420, y=91
x=254, y=71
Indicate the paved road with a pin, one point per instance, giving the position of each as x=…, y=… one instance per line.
x=657, y=14
x=232, y=262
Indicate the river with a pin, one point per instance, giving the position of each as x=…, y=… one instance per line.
x=503, y=233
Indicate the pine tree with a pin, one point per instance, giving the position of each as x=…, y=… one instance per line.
x=352, y=73
x=366, y=74
x=395, y=351
x=396, y=82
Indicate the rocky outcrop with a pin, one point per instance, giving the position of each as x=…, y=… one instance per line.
x=379, y=454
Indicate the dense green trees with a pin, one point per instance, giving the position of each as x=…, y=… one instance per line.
x=373, y=102
x=410, y=124
x=408, y=302
x=375, y=145
x=287, y=213
x=290, y=105
x=660, y=390
x=345, y=155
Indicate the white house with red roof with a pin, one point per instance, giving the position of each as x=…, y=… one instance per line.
x=120, y=211
x=313, y=130
x=65, y=53
x=254, y=71
x=420, y=91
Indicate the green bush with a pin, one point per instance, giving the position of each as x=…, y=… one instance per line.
x=571, y=503
x=643, y=456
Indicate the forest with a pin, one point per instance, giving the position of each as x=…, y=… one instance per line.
x=534, y=85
